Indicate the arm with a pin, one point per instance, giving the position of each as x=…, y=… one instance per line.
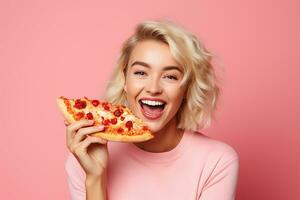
x=82, y=187
x=96, y=188
x=75, y=178
x=86, y=165
x=222, y=183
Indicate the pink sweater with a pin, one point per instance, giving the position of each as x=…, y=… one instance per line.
x=198, y=168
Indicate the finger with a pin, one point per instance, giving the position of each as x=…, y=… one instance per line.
x=66, y=123
x=81, y=149
x=83, y=132
x=72, y=128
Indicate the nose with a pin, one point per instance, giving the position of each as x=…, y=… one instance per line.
x=153, y=86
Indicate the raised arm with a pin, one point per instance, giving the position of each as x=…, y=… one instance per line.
x=90, y=157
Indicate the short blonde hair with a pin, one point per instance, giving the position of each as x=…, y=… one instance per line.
x=199, y=104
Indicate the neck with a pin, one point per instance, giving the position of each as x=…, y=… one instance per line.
x=164, y=140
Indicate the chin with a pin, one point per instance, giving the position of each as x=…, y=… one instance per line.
x=155, y=127
x=154, y=130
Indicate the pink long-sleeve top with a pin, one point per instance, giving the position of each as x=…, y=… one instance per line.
x=198, y=168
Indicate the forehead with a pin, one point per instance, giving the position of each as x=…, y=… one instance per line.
x=155, y=53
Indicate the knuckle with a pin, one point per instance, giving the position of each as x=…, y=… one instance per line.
x=78, y=151
x=69, y=129
x=71, y=147
x=92, y=139
x=89, y=139
x=69, y=144
x=80, y=132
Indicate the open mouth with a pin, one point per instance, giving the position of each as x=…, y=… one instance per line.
x=151, y=109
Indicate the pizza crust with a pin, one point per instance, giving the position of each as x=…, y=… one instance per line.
x=63, y=109
x=122, y=138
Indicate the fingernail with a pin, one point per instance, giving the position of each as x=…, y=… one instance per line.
x=91, y=121
x=100, y=127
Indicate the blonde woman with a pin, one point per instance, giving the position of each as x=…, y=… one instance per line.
x=165, y=76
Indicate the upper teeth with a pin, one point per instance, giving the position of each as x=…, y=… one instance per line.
x=152, y=103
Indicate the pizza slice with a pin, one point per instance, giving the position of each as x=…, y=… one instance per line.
x=120, y=123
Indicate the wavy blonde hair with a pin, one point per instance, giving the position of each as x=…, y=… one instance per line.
x=199, y=104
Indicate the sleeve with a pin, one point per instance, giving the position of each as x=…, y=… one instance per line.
x=222, y=179
x=75, y=178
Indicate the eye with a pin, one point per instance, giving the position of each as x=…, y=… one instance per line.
x=171, y=77
x=139, y=73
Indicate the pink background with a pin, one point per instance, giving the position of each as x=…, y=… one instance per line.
x=48, y=49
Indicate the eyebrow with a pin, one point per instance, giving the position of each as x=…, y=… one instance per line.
x=148, y=66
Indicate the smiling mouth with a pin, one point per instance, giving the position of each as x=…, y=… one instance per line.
x=152, y=111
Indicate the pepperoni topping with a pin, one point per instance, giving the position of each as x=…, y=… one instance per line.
x=95, y=103
x=80, y=104
x=89, y=115
x=114, y=121
x=69, y=108
x=122, y=118
x=120, y=130
x=117, y=113
x=79, y=115
x=105, y=105
x=105, y=122
x=129, y=125
x=145, y=128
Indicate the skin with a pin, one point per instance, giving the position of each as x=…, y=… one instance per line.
x=156, y=80
x=91, y=153
x=148, y=75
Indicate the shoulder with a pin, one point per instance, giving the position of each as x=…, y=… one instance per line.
x=212, y=149
x=216, y=159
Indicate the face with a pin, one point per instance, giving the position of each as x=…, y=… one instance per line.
x=153, y=84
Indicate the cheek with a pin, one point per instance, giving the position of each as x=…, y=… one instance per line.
x=176, y=96
x=132, y=87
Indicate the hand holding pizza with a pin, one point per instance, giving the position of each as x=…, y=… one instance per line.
x=91, y=152
x=91, y=123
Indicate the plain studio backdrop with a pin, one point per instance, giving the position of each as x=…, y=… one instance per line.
x=54, y=48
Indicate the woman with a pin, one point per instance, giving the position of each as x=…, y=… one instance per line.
x=161, y=64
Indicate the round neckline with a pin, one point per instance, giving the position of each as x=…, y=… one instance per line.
x=160, y=157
